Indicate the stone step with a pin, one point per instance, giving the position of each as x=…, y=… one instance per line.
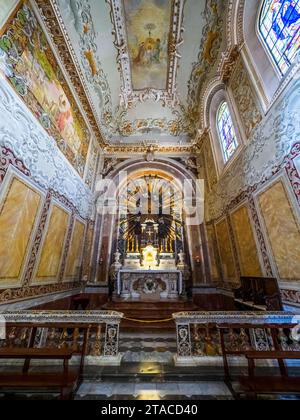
x=148, y=311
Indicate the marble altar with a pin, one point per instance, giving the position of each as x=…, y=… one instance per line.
x=149, y=285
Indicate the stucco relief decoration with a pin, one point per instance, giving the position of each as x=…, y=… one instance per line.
x=175, y=127
x=8, y=158
x=31, y=68
x=21, y=135
x=293, y=171
x=208, y=56
x=272, y=144
x=80, y=13
x=148, y=53
x=91, y=170
x=209, y=163
x=244, y=96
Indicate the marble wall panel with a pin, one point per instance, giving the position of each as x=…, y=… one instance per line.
x=86, y=270
x=246, y=245
x=53, y=245
x=226, y=254
x=75, y=251
x=19, y=210
x=282, y=229
x=211, y=241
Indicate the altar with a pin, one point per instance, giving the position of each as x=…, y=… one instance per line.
x=149, y=285
x=150, y=263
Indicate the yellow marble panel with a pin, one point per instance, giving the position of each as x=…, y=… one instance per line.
x=17, y=218
x=226, y=253
x=212, y=252
x=246, y=245
x=75, y=252
x=53, y=245
x=88, y=251
x=283, y=230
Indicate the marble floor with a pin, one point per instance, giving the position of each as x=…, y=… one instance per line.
x=154, y=391
x=149, y=347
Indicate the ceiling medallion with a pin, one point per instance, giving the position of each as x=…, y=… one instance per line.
x=148, y=49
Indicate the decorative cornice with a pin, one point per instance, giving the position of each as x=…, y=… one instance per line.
x=240, y=22
x=142, y=149
x=51, y=17
x=22, y=293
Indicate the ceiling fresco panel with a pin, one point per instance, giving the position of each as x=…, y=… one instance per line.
x=148, y=35
x=144, y=63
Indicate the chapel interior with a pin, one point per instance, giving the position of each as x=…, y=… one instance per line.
x=149, y=199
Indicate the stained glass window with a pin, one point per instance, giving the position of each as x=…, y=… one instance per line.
x=279, y=27
x=226, y=131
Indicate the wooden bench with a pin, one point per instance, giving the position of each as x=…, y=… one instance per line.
x=253, y=385
x=65, y=381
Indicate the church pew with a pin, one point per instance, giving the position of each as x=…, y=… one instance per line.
x=260, y=342
x=63, y=381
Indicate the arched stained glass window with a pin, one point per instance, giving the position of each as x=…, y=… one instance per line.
x=279, y=27
x=226, y=131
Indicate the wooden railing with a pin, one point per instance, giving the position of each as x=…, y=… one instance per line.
x=66, y=330
x=199, y=333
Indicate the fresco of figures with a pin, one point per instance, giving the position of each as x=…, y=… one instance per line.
x=148, y=37
x=29, y=64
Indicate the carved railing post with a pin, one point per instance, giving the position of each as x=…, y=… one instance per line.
x=111, y=346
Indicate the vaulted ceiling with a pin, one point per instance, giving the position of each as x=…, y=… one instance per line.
x=143, y=63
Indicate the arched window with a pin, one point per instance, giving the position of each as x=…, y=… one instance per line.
x=226, y=131
x=279, y=27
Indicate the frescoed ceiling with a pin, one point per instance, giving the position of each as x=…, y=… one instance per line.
x=142, y=63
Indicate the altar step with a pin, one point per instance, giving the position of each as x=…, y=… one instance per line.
x=149, y=311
